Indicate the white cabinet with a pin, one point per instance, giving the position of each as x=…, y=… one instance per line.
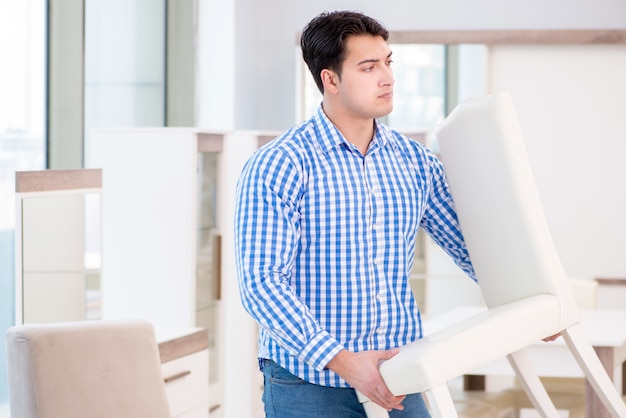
x=187, y=385
x=185, y=362
x=160, y=245
x=153, y=231
x=50, y=278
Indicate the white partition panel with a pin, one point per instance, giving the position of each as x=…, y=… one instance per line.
x=149, y=214
x=570, y=105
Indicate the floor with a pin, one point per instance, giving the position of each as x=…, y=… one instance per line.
x=467, y=411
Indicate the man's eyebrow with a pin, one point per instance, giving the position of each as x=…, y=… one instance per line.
x=373, y=59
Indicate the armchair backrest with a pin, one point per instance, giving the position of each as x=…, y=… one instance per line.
x=501, y=215
x=96, y=369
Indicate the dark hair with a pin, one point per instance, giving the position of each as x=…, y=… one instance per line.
x=323, y=39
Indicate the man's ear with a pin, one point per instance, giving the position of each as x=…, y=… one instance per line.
x=330, y=80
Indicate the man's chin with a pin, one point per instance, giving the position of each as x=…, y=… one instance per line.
x=384, y=113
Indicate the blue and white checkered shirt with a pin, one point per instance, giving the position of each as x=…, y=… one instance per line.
x=325, y=243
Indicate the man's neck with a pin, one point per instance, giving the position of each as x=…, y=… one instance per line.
x=356, y=130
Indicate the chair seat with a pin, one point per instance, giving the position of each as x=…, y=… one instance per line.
x=468, y=344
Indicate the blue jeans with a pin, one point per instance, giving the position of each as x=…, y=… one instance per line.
x=287, y=396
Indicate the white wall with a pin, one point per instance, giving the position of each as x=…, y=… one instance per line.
x=570, y=105
x=265, y=38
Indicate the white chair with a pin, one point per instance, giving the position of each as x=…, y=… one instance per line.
x=95, y=369
x=524, y=286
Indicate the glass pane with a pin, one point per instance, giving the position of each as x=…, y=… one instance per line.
x=93, y=255
x=207, y=261
x=22, y=135
x=124, y=64
x=207, y=240
x=311, y=94
x=420, y=91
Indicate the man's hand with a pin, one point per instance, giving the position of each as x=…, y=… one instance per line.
x=360, y=370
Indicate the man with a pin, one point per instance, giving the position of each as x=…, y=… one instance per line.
x=327, y=217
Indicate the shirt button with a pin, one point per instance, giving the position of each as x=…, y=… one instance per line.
x=379, y=330
x=377, y=261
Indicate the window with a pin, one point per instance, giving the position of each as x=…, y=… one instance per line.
x=22, y=135
x=420, y=88
x=124, y=64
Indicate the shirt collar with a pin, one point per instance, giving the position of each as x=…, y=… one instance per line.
x=329, y=136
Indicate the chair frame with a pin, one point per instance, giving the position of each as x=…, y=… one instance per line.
x=489, y=175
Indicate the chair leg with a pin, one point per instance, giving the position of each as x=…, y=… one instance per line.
x=532, y=385
x=440, y=402
x=595, y=373
x=373, y=410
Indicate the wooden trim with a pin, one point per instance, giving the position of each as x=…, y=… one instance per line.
x=615, y=281
x=474, y=382
x=217, y=265
x=210, y=142
x=593, y=405
x=520, y=37
x=185, y=345
x=53, y=180
x=264, y=139
x=418, y=136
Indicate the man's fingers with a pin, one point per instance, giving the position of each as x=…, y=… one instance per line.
x=387, y=354
x=361, y=371
x=381, y=394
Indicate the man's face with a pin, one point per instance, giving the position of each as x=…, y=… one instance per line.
x=366, y=86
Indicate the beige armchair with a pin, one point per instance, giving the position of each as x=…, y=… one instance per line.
x=95, y=369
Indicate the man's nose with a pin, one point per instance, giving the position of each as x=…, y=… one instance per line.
x=388, y=78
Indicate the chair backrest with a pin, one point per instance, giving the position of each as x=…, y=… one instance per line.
x=95, y=369
x=498, y=204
